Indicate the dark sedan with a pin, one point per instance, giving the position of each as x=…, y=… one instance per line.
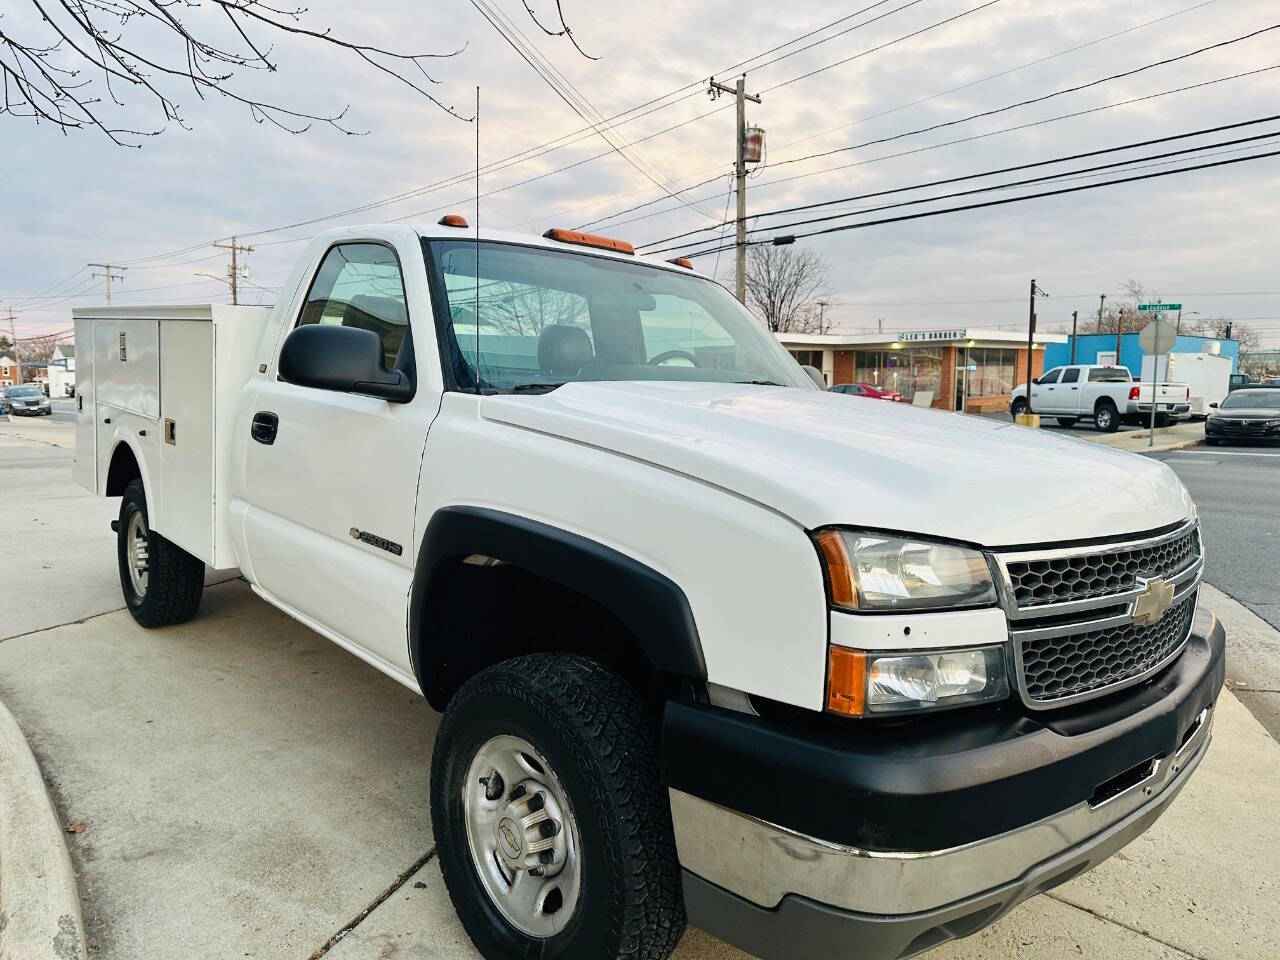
x=25, y=399
x=1251, y=414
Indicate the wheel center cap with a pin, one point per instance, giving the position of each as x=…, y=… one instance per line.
x=510, y=841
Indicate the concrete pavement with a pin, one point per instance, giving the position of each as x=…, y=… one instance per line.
x=250, y=789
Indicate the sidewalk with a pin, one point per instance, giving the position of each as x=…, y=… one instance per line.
x=1136, y=441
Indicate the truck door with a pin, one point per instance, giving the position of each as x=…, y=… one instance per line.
x=1042, y=392
x=330, y=478
x=1068, y=391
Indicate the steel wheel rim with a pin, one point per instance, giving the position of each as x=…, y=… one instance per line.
x=523, y=837
x=137, y=553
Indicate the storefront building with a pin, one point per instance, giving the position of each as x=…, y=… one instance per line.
x=960, y=369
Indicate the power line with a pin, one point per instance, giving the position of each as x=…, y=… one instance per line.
x=899, y=107
x=994, y=133
x=1034, y=100
x=782, y=240
x=1010, y=169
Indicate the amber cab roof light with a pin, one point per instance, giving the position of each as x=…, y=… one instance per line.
x=589, y=240
x=682, y=262
x=453, y=220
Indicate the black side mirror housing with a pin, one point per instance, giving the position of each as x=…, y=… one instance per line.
x=1213, y=406
x=346, y=359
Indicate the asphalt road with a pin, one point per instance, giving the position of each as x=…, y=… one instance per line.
x=1238, y=492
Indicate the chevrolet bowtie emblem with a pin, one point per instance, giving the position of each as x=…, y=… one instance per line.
x=1152, y=602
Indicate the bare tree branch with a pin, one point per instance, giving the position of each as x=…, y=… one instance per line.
x=787, y=288
x=52, y=72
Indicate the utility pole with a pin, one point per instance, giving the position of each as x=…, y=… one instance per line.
x=13, y=339
x=740, y=171
x=1031, y=336
x=822, y=313
x=235, y=272
x=1074, y=314
x=108, y=269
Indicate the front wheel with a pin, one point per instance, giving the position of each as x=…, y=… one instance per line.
x=1106, y=418
x=553, y=829
x=161, y=582
x=1017, y=408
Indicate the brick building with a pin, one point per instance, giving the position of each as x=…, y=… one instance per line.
x=960, y=369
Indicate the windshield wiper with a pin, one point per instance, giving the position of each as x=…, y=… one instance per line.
x=535, y=387
x=762, y=383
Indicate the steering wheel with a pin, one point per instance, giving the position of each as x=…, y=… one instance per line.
x=671, y=355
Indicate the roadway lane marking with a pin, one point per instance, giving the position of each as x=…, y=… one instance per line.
x=1231, y=453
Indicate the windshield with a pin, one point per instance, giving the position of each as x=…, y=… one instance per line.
x=1256, y=399
x=547, y=317
x=24, y=392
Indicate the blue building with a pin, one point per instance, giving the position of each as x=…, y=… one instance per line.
x=1089, y=345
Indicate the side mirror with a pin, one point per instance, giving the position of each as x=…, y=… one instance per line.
x=815, y=375
x=1213, y=406
x=347, y=359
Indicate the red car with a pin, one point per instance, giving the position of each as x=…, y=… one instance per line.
x=867, y=390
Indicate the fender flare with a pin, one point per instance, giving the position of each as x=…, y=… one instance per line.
x=121, y=437
x=650, y=604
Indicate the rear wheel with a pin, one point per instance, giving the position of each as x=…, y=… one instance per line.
x=1106, y=418
x=1017, y=408
x=1212, y=441
x=161, y=582
x=553, y=829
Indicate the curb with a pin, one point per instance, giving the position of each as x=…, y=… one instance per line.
x=39, y=903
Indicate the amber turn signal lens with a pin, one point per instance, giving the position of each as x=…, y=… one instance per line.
x=839, y=573
x=846, y=681
x=453, y=220
x=589, y=240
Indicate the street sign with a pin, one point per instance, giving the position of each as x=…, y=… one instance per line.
x=1157, y=337
x=1158, y=307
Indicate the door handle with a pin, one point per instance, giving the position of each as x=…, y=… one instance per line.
x=264, y=426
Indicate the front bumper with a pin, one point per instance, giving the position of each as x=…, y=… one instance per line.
x=906, y=836
x=1241, y=430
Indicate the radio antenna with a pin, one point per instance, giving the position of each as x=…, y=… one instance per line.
x=476, y=308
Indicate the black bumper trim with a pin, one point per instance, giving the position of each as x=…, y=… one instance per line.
x=940, y=781
x=803, y=929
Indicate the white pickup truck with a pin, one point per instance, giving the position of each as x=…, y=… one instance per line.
x=1107, y=395
x=711, y=644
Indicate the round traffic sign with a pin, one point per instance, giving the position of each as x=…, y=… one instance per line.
x=1157, y=337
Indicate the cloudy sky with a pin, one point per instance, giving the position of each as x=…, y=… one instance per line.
x=1210, y=239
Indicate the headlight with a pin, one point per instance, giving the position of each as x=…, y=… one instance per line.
x=871, y=571
x=861, y=683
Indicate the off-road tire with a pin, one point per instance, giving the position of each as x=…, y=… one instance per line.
x=175, y=579
x=1106, y=417
x=1017, y=408
x=602, y=741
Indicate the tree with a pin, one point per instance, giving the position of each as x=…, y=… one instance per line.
x=1216, y=327
x=787, y=288
x=6, y=346
x=1124, y=308
x=73, y=61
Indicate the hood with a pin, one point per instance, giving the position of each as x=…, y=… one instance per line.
x=821, y=458
x=1246, y=413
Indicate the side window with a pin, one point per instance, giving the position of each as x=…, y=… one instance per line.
x=1071, y=375
x=1052, y=375
x=360, y=285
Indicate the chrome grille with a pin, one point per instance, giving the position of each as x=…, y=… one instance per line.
x=1054, y=579
x=1071, y=612
x=1066, y=666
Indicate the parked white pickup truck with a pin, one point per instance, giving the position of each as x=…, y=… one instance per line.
x=1107, y=395
x=826, y=679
